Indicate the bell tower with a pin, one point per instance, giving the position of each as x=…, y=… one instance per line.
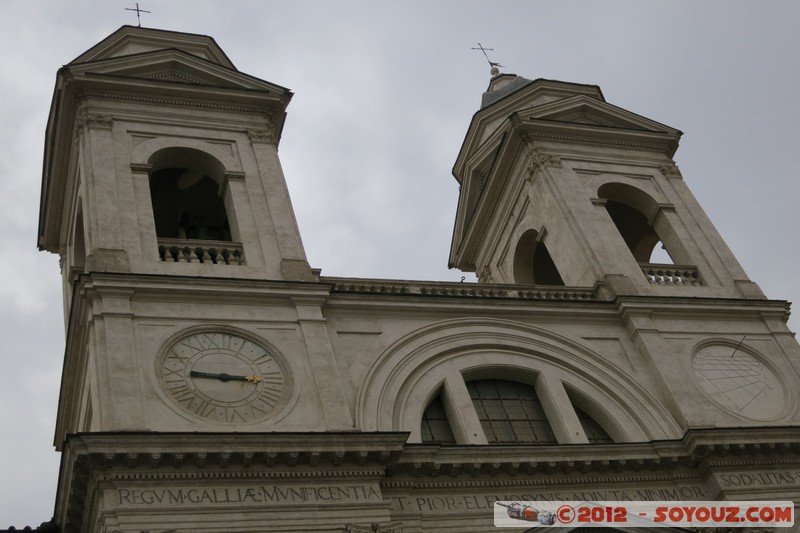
x=161, y=158
x=191, y=311
x=559, y=187
x=161, y=167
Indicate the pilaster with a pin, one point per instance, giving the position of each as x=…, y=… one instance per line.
x=120, y=372
x=294, y=265
x=328, y=377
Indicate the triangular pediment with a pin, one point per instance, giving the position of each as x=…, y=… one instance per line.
x=585, y=111
x=134, y=40
x=172, y=66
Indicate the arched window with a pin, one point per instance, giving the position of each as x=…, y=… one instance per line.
x=510, y=412
x=533, y=264
x=185, y=193
x=594, y=431
x=435, y=425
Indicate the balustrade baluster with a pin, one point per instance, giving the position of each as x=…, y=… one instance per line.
x=203, y=252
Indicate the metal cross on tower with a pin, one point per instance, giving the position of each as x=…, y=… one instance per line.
x=495, y=70
x=138, y=12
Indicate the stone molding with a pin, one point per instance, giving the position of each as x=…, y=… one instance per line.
x=391, y=527
x=95, y=459
x=581, y=117
x=566, y=132
x=460, y=289
x=145, y=168
x=146, y=461
x=660, y=209
x=173, y=75
x=184, y=102
x=693, y=457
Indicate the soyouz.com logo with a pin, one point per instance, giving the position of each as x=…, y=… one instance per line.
x=740, y=514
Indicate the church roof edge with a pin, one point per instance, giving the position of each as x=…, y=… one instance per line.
x=194, y=41
x=504, y=85
x=288, y=92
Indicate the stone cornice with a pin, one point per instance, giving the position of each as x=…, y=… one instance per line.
x=457, y=289
x=183, y=102
x=667, y=146
x=651, y=461
x=699, y=307
x=92, y=459
x=230, y=459
x=158, y=287
x=356, y=451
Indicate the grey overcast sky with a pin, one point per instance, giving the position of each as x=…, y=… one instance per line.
x=384, y=92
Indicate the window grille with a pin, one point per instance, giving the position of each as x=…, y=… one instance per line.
x=435, y=426
x=510, y=412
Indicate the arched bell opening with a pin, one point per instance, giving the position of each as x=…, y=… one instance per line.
x=533, y=264
x=635, y=214
x=185, y=192
x=635, y=230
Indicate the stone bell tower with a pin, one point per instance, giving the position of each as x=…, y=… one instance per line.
x=559, y=187
x=161, y=170
x=190, y=306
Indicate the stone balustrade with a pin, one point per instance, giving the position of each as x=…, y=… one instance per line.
x=199, y=251
x=474, y=290
x=660, y=274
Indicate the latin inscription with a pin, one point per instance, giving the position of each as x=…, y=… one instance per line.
x=476, y=502
x=255, y=495
x=759, y=479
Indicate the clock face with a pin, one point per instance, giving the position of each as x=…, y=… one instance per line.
x=739, y=382
x=223, y=377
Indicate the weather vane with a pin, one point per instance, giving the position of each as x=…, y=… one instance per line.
x=138, y=11
x=494, y=67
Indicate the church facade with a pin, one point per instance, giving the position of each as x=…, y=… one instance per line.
x=214, y=382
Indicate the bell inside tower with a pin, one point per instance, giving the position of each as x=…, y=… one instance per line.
x=184, y=190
